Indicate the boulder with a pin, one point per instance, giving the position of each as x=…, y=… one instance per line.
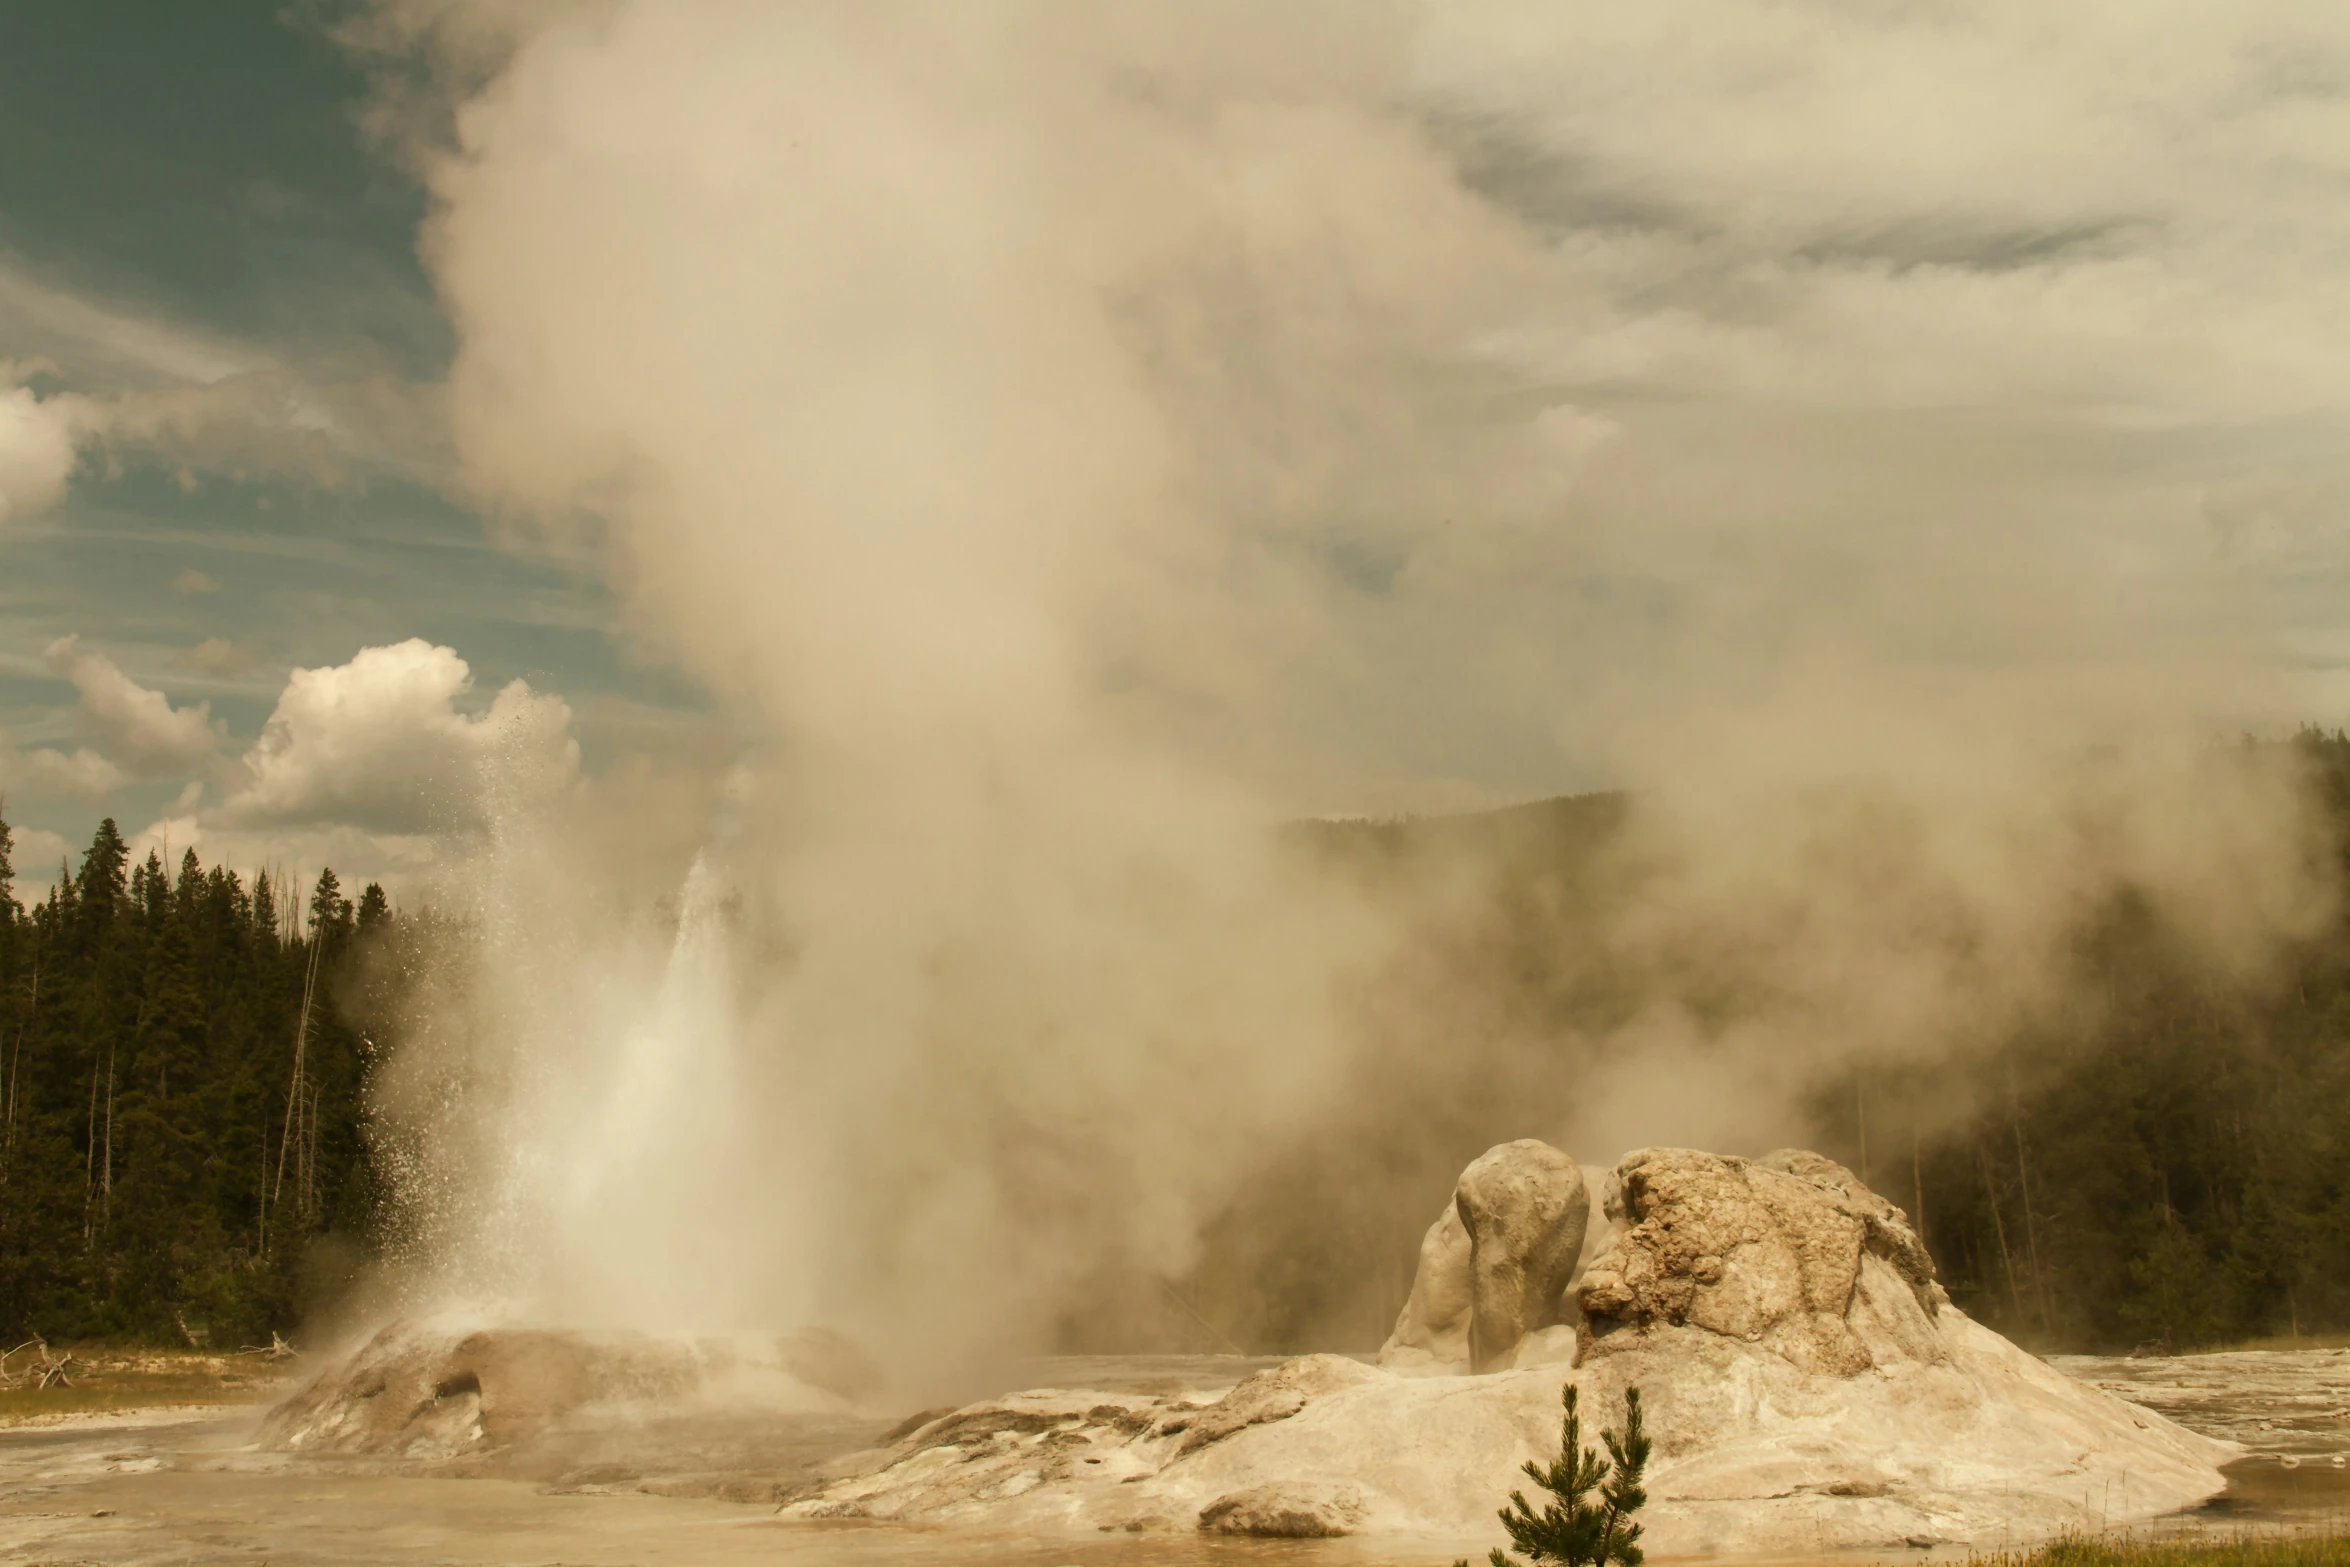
x=1496, y=1265
x=1525, y=1208
x=1789, y=1252
x=1286, y=1510
x=1432, y=1332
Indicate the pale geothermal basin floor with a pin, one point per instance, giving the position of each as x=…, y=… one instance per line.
x=183, y=1486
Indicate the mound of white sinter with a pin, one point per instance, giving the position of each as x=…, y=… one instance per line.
x=551, y=1403
x=1807, y=1382
x=1808, y=1385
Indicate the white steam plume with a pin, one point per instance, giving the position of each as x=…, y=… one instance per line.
x=913, y=327
x=1066, y=438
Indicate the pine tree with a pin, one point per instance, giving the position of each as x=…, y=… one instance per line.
x=263, y=913
x=103, y=880
x=1572, y=1530
x=8, y=908
x=330, y=911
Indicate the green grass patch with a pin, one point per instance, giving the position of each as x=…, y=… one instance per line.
x=2247, y=1550
x=106, y=1381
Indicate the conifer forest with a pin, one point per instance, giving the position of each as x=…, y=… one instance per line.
x=181, y=1151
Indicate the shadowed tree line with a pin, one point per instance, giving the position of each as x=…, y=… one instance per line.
x=2169, y=1166
x=180, y=1150
x=2172, y=1173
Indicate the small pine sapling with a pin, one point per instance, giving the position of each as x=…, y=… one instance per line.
x=1572, y=1530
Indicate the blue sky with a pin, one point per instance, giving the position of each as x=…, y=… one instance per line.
x=188, y=191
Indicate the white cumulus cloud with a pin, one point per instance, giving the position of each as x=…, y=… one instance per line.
x=38, y=448
x=80, y=775
x=382, y=744
x=138, y=727
x=39, y=855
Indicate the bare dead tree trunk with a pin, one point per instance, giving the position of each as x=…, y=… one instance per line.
x=291, y=1137
x=90, y=1151
x=106, y=1170
x=313, y=1198
x=15, y=1067
x=1860, y=1101
x=1999, y=1226
x=2023, y=1172
x=1917, y=1184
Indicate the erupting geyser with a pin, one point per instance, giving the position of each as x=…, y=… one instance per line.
x=1809, y=1385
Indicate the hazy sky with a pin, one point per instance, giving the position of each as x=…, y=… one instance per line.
x=1923, y=345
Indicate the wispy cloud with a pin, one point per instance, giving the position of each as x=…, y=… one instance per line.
x=215, y=656
x=113, y=343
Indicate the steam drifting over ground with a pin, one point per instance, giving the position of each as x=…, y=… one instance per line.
x=1069, y=440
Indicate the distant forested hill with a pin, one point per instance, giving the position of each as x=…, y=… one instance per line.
x=180, y=1149
x=2168, y=1164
